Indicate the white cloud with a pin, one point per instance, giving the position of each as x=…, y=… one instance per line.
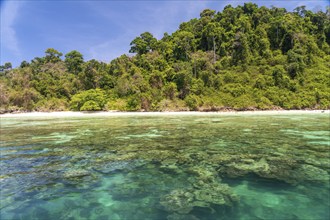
x=9, y=14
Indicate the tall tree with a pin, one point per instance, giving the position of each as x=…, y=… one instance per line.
x=53, y=55
x=73, y=61
x=143, y=44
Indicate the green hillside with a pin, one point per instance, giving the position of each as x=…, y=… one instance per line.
x=242, y=58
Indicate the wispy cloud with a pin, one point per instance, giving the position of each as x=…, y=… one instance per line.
x=109, y=50
x=154, y=17
x=9, y=14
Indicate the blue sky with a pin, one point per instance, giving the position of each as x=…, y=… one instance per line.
x=99, y=29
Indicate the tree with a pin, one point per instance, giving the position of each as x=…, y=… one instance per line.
x=296, y=64
x=184, y=44
x=165, y=46
x=212, y=33
x=143, y=44
x=24, y=64
x=262, y=44
x=241, y=49
x=207, y=13
x=53, y=55
x=73, y=61
x=170, y=90
x=7, y=66
x=91, y=74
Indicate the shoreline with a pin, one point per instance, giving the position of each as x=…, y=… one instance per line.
x=183, y=113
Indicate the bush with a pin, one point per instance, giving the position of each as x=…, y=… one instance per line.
x=193, y=102
x=90, y=100
x=117, y=104
x=133, y=103
x=52, y=104
x=244, y=102
x=90, y=106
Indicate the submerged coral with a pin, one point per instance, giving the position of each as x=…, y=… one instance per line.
x=73, y=173
x=179, y=201
x=228, y=170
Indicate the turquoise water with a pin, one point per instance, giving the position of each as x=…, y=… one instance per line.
x=207, y=166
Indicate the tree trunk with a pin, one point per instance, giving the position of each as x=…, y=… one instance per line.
x=213, y=49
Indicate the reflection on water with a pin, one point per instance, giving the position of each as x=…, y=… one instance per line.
x=165, y=167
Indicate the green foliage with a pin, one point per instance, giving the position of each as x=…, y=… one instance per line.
x=90, y=100
x=143, y=44
x=170, y=90
x=52, y=104
x=52, y=55
x=117, y=104
x=6, y=67
x=133, y=103
x=244, y=102
x=193, y=102
x=73, y=61
x=240, y=58
x=90, y=105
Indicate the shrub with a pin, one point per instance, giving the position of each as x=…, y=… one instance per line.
x=90, y=106
x=90, y=100
x=117, y=104
x=193, y=102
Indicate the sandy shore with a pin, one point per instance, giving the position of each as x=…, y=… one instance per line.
x=89, y=114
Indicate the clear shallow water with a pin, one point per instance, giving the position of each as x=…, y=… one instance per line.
x=165, y=167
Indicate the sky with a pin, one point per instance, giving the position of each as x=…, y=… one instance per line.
x=100, y=29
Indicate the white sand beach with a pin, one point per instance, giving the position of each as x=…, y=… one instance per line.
x=114, y=113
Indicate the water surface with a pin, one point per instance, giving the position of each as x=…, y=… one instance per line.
x=205, y=166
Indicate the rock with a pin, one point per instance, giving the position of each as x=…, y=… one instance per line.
x=75, y=173
x=216, y=193
x=176, y=216
x=203, y=174
x=311, y=173
x=179, y=201
x=118, y=165
x=210, y=197
x=246, y=166
x=127, y=191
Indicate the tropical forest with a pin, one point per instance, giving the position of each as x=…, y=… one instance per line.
x=242, y=58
